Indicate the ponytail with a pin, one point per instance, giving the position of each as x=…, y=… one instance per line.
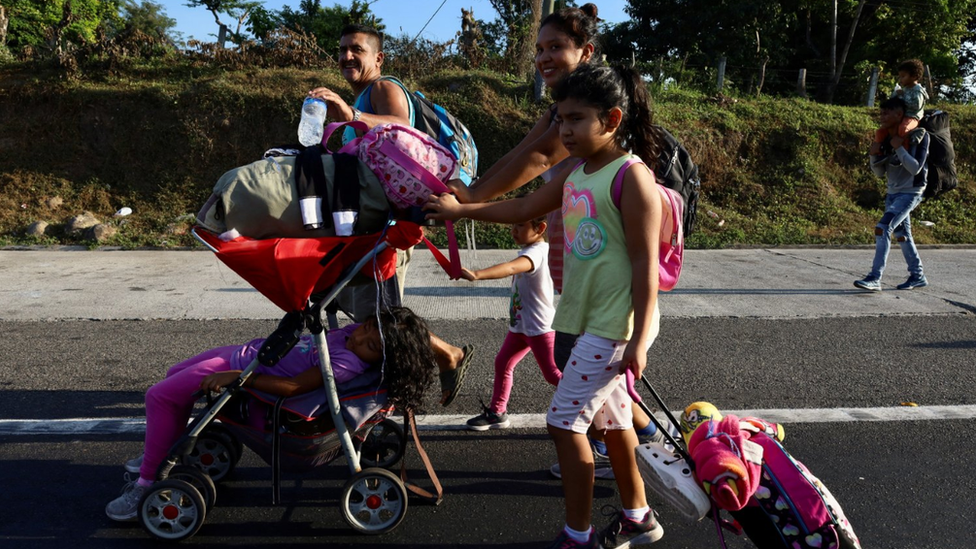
x=643, y=137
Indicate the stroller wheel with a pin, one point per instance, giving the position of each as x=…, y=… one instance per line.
x=199, y=480
x=215, y=454
x=374, y=501
x=384, y=445
x=172, y=510
x=216, y=427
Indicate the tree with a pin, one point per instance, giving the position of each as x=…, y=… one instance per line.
x=327, y=23
x=792, y=34
x=52, y=24
x=149, y=18
x=513, y=34
x=239, y=10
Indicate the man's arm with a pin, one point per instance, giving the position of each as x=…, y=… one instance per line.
x=388, y=101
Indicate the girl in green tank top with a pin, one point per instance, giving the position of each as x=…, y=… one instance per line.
x=610, y=287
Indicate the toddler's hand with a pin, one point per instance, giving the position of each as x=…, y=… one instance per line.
x=897, y=142
x=442, y=206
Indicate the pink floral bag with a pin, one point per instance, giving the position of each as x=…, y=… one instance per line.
x=411, y=166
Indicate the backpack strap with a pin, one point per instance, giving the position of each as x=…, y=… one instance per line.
x=617, y=190
x=410, y=424
x=452, y=267
x=313, y=198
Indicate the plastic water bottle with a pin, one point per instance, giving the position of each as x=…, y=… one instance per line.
x=312, y=126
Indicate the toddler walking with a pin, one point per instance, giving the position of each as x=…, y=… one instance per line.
x=530, y=313
x=610, y=287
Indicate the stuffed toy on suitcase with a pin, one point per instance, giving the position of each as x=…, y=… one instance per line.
x=744, y=468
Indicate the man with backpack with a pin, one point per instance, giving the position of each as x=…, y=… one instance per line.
x=906, y=170
x=381, y=100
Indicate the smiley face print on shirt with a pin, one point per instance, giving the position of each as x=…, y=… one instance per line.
x=584, y=235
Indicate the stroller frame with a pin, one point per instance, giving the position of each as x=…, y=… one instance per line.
x=175, y=507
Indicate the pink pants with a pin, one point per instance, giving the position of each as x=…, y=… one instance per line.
x=515, y=347
x=169, y=404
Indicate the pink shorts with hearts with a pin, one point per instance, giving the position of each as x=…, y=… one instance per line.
x=592, y=390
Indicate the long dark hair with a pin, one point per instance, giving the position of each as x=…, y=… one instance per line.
x=580, y=24
x=408, y=361
x=621, y=86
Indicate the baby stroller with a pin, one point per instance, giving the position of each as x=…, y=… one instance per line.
x=302, y=276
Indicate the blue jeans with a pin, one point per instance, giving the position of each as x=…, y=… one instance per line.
x=897, y=220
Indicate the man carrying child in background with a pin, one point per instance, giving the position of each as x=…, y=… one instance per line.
x=904, y=165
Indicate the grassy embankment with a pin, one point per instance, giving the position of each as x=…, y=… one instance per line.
x=775, y=172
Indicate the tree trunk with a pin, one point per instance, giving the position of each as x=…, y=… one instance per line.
x=843, y=56
x=4, y=21
x=762, y=75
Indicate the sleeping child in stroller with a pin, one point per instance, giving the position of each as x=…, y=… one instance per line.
x=398, y=341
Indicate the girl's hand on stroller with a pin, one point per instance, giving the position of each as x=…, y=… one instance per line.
x=443, y=206
x=634, y=359
x=215, y=382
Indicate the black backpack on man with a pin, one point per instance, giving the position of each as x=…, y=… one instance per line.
x=942, y=165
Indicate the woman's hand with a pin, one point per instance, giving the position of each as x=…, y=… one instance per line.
x=214, y=382
x=468, y=274
x=460, y=190
x=443, y=206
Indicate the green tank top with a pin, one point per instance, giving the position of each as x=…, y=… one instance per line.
x=597, y=296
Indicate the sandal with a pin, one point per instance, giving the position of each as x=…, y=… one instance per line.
x=451, y=380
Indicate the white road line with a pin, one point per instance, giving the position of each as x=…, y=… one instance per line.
x=103, y=426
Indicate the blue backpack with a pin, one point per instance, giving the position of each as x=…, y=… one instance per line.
x=437, y=122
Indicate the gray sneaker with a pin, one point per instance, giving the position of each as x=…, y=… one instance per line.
x=601, y=467
x=134, y=464
x=868, y=283
x=623, y=532
x=913, y=282
x=126, y=506
x=489, y=420
x=658, y=436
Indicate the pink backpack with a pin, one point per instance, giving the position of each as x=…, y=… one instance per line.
x=672, y=238
x=785, y=505
x=411, y=166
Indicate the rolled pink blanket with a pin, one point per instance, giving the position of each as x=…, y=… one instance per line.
x=727, y=464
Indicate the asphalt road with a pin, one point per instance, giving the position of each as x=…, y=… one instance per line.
x=83, y=334
x=903, y=484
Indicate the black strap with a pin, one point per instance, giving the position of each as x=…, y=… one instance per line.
x=311, y=183
x=345, y=183
x=276, y=453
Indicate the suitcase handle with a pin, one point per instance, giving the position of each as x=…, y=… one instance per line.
x=632, y=391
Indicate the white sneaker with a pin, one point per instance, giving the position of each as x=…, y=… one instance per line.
x=126, y=506
x=668, y=475
x=134, y=464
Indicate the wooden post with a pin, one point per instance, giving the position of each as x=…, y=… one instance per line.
x=548, y=6
x=801, y=84
x=872, y=87
x=721, y=74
